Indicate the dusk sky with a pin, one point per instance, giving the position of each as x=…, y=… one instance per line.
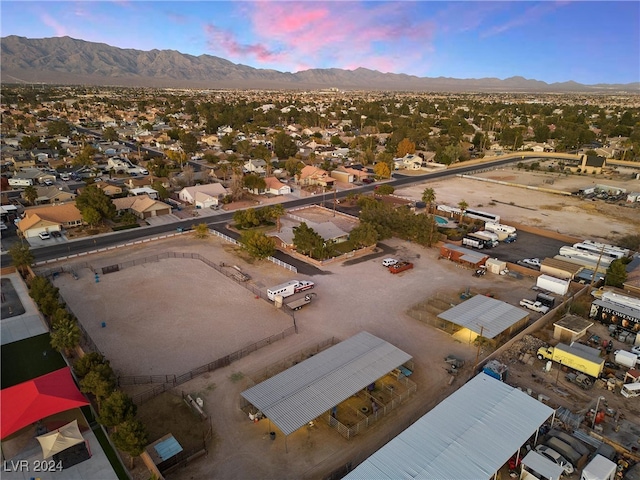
x=554, y=41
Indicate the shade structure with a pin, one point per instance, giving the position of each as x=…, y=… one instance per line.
x=30, y=401
x=63, y=438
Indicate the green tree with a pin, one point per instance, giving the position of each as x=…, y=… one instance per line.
x=110, y=134
x=463, y=205
x=226, y=142
x=58, y=127
x=385, y=189
x=616, y=274
x=275, y=212
x=201, y=231
x=84, y=157
x=284, y=146
x=93, y=197
x=246, y=218
x=254, y=183
x=257, y=244
x=29, y=142
x=306, y=239
x=65, y=335
x=294, y=166
x=88, y=362
x=21, y=257
x=131, y=437
x=100, y=382
x=382, y=170
x=116, y=409
x=363, y=235
x=44, y=294
x=163, y=193
x=189, y=143
x=91, y=216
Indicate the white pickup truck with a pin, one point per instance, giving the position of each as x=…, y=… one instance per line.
x=533, y=305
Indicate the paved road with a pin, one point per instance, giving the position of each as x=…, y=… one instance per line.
x=117, y=238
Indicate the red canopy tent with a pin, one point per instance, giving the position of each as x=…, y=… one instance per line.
x=28, y=402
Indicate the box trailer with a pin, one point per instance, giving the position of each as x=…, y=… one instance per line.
x=580, y=359
x=600, y=468
x=496, y=266
x=545, y=299
x=473, y=242
x=552, y=284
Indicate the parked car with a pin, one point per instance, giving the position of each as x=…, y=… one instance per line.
x=65, y=176
x=44, y=235
x=368, y=180
x=532, y=262
x=48, y=183
x=533, y=305
x=556, y=458
x=56, y=234
x=387, y=262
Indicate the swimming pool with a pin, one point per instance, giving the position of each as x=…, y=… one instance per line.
x=441, y=220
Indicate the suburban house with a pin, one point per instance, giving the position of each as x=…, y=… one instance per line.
x=30, y=176
x=311, y=175
x=109, y=189
x=327, y=230
x=49, y=218
x=53, y=195
x=256, y=166
x=276, y=187
x=203, y=196
x=142, y=206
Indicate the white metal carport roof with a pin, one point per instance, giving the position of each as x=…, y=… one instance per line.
x=468, y=436
x=484, y=315
x=543, y=466
x=301, y=393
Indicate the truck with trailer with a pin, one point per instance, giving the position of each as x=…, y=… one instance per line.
x=579, y=357
x=400, y=267
x=283, y=290
x=505, y=233
x=304, y=285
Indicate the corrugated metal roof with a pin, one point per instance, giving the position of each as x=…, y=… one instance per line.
x=543, y=465
x=470, y=435
x=484, y=313
x=296, y=396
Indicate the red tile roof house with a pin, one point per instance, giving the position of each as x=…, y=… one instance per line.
x=315, y=176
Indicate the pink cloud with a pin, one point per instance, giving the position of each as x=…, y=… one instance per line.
x=219, y=39
x=58, y=29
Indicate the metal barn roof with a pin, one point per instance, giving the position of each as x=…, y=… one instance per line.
x=296, y=396
x=470, y=435
x=484, y=313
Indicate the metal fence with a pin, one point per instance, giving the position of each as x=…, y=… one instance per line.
x=368, y=420
x=170, y=381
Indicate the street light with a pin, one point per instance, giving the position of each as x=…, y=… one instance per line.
x=593, y=424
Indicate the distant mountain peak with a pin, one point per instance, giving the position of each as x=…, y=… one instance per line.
x=65, y=60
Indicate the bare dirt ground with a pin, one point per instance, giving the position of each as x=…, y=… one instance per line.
x=173, y=315
x=559, y=213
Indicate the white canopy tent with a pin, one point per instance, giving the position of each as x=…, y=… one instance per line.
x=64, y=437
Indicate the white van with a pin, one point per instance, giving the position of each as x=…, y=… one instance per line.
x=631, y=390
x=387, y=262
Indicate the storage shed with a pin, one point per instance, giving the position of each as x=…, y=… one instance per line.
x=462, y=255
x=600, y=468
x=559, y=268
x=571, y=328
x=495, y=266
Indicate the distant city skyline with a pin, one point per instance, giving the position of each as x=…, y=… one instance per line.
x=553, y=41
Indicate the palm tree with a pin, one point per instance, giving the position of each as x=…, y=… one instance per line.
x=276, y=212
x=429, y=197
x=30, y=194
x=462, y=205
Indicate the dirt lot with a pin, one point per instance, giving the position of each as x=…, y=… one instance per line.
x=173, y=315
x=559, y=213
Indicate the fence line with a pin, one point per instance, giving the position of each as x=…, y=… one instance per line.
x=175, y=380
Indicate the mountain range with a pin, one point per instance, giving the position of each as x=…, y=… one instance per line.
x=68, y=61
